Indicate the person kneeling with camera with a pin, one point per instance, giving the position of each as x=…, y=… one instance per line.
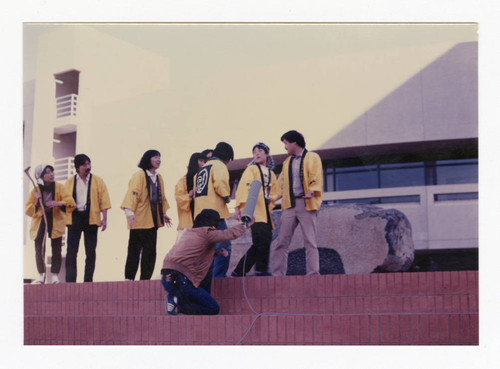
x=186, y=265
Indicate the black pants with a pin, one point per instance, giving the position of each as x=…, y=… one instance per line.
x=79, y=225
x=258, y=253
x=56, y=248
x=141, y=247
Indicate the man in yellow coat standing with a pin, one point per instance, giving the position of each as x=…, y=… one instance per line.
x=300, y=185
x=92, y=201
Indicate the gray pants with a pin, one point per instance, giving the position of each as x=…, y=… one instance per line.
x=290, y=219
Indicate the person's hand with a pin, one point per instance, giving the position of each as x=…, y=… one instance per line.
x=53, y=204
x=222, y=252
x=191, y=195
x=237, y=213
x=252, y=221
x=309, y=195
x=168, y=220
x=131, y=220
x=104, y=224
x=38, y=196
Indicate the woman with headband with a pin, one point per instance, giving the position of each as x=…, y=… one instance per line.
x=260, y=168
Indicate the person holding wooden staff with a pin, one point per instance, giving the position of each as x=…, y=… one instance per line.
x=52, y=198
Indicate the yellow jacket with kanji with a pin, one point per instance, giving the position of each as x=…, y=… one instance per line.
x=58, y=214
x=137, y=200
x=312, y=180
x=211, y=187
x=99, y=198
x=250, y=174
x=183, y=204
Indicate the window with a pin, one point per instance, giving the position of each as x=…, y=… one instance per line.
x=378, y=200
x=456, y=171
x=67, y=85
x=402, y=175
x=356, y=178
x=456, y=196
x=390, y=175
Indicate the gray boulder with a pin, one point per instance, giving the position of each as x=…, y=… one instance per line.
x=352, y=239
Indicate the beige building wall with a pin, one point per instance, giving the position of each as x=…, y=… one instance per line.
x=193, y=86
x=114, y=123
x=439, y=102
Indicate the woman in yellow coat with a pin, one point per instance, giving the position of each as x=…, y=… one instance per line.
x=262, y=230
x=184, y=193
x=56, y=201
x=145, y=206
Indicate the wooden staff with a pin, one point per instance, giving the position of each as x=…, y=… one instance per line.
x=44, y=218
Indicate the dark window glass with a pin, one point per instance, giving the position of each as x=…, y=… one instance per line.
x=356, y=178
x=378, y=200
x=456, y=171
x=402, y=176
x=456, y=196
x=456, y=162
x=371, y=200
x=400, y=199
x=402, y=165
x=328, y=183
x=385, y=175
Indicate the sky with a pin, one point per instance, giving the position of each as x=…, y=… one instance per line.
x=486, y=13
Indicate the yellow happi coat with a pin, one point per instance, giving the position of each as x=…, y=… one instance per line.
x=137, y=200
x=99, y=199
x=183, y=204
x=211, y=186
x=250, y=174
x=312, y=181
x=58, y=215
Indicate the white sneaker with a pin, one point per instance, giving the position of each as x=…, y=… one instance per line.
x=55, y=279
x=39, y=280
x=172, y=303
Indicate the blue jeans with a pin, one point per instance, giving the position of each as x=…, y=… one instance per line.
x=191, y=300
x=221, y=263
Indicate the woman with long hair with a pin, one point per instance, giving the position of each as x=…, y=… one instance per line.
x=184, y=193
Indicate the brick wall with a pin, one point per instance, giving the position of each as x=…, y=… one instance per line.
x=434, y=308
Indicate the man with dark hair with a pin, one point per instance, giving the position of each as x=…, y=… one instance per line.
x=212, y=191
x=188, y=262
x=92, y=202
x=300, y=185
x=145, y=207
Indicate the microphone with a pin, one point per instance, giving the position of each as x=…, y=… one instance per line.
x=253, y=195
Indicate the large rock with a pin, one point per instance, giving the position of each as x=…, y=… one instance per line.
x=352, y=239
